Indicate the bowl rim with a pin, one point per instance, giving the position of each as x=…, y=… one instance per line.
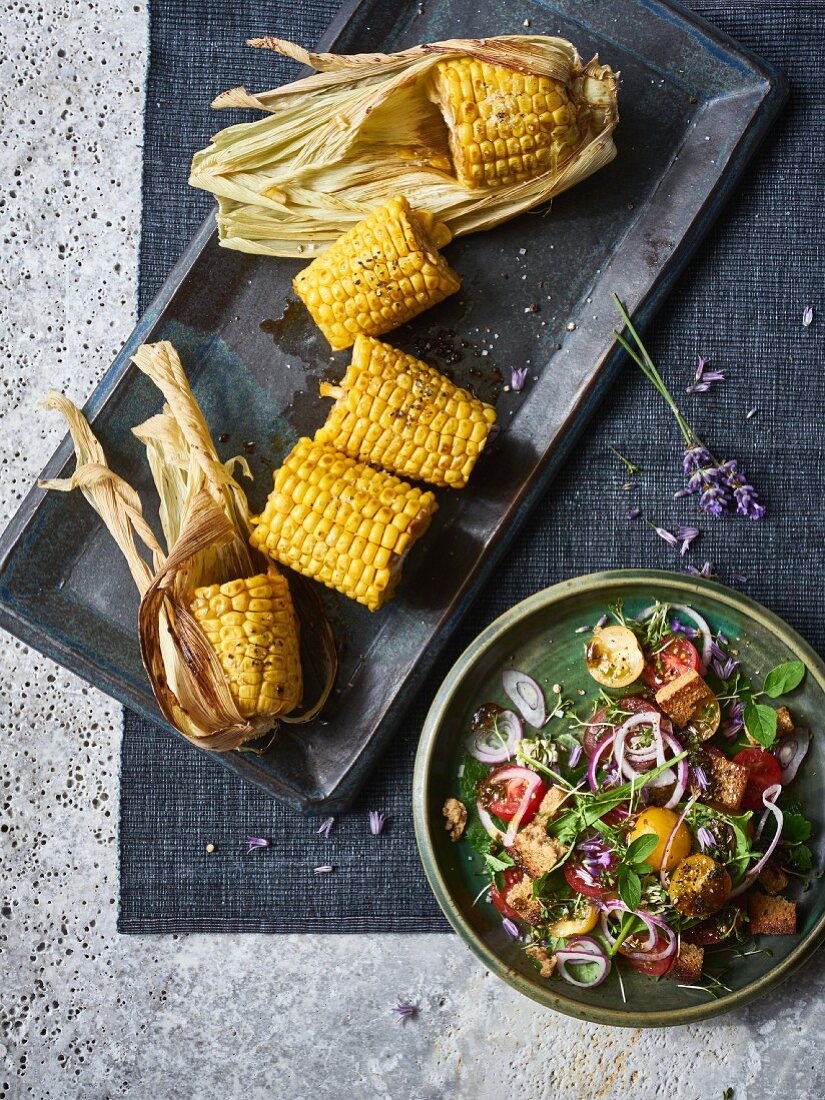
x=550, y=997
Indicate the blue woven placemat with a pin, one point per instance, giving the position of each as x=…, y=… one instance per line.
x=740, y=303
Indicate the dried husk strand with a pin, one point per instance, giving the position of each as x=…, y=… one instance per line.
x=338, y=144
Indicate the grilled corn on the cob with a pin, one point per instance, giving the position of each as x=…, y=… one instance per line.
x=341, y=522
x=394, y=411
x=378, y=275
x=505, y=126
x=251, y=624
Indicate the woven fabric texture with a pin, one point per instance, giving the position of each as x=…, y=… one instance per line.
x=740, y=303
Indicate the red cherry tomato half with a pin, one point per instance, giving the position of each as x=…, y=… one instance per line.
x=597, y=730
x=674, y=658
x=715, y=928
x=503, y=796
x=511, y=876
x=591, y=886
x=655, y=967
x=763, y=772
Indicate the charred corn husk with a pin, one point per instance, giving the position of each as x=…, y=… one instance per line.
x=250, y=623
x=378, y=275
x=505, y=126
x=336, y=145
x=219, y=637
x=396, y=412
x=341, y=522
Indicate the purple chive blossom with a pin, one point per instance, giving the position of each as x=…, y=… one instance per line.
x=670, y=539
x=705, y=837
x=517, y=379
x=510, y=927
x=575, y=756
x=686, y=535
x=678, y=627
x=377, y=822
x=724, y=669
x=808, y=316
x=323, y=870
x=703, y=378
x=257, y=842
x=705, y=571
x=326, y=827
x=700, y=778
x=701, y=363
x=404, y=1010
x=634, y=513
x=599, y=862
x=734, y=723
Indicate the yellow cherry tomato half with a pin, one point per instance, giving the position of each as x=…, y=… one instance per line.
x=661, y=823
x=576, y=926
x=699, y=886
x=614, y=657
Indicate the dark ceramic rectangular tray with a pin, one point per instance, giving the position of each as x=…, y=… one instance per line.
x=694, y=107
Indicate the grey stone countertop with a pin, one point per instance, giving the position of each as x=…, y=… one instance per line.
x=87, y=1013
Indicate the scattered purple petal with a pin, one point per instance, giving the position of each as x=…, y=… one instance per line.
x=686, y=492
x=324, y=869
x=326, y=826
x=511, y=928
x=701, y=363
x=697, y=387
x=740, y=578
x=700, y=778
x=705, y=838
x=404, y=1011
x=257, y=842
x=575, y=756
x=628, y=485
x=686, y=535
x=705, y=571
x=751, y=413
x=808, y=316
x=602, y=622
x=517, y=378
x=377, y=822
x=634, y=513
x=670, y=539
x=678, y=627
x=714, y=376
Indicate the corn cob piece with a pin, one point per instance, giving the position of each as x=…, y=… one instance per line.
x=341, y=522
x=504, y=126
x=394, y=411
x=379, y=274
x=251, y=625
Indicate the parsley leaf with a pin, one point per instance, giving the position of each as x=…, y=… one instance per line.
x=497, y=863
x=760, y=722
x=473, y=771
x=784, y=678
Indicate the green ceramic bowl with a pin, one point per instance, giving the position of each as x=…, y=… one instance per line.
x=539, y=636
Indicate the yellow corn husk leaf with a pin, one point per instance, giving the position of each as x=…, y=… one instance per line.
x=205, y=519
x=338, y=144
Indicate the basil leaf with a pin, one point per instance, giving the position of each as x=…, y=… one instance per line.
x=760, y=722
x=784, y=678
x=630, y=887
x=641, y=848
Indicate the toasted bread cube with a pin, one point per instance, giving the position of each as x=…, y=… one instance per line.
x=680, y=698
x=687, y=966
x=520, y=897
x=773, y=879
x=552, y=801
x=726, y=783
x=546, y=961
x=784, y=722
x=535, y=851
x=771, y=916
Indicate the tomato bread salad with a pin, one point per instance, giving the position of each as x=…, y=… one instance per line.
x=648, y=824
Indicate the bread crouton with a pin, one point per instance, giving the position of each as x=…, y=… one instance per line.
x=520, y=897
x=547, y=962
x=773, y=879
x=726, y=783
x=771, y=916
x=680, y=697
x=687, y=966
x=534, y=851
x=456, y=814
x=549, y=805
x=784, y=722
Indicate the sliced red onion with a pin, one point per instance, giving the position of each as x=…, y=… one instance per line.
x=506, y=732
x=646, y=954
x=593, y=764
x=620, y=752
x=704, y=630
x=663, y=870
x=570, y=956
x=526, y=694
x=491, y=828
x=791, y=751
x=769, y=797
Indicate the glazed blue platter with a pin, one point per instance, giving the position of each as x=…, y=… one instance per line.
x=536, y=292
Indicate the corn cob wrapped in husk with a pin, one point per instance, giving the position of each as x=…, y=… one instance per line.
x=377, y=275
x=341, y=522
x=473, y=130
x=218, y=629
x=396, y=412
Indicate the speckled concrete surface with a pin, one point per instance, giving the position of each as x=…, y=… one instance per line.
x=85, y=1013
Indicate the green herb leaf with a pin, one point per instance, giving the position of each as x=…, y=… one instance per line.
x=784, y=678
x=727, y=1094
x=799, y=857
x=498, y=863
x=640, y=849
x=795, y=828
x=473, y=771
x=477, y=837
x=760, y=722
x=630, y=887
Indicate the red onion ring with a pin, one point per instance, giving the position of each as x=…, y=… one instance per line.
x=663, y=869
x=509, y=724
x=645, y=719
x=769, y=796
x=526, y=694
x=594, y=761
x=490, y=827
x=791, y=751
x=646, y=954
x=571, y=956
x=704, y=629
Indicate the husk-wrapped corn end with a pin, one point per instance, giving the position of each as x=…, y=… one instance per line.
x=504, y=126
x=341, y=522
x=379, y=274
x=394, y=411
x=251, y=624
